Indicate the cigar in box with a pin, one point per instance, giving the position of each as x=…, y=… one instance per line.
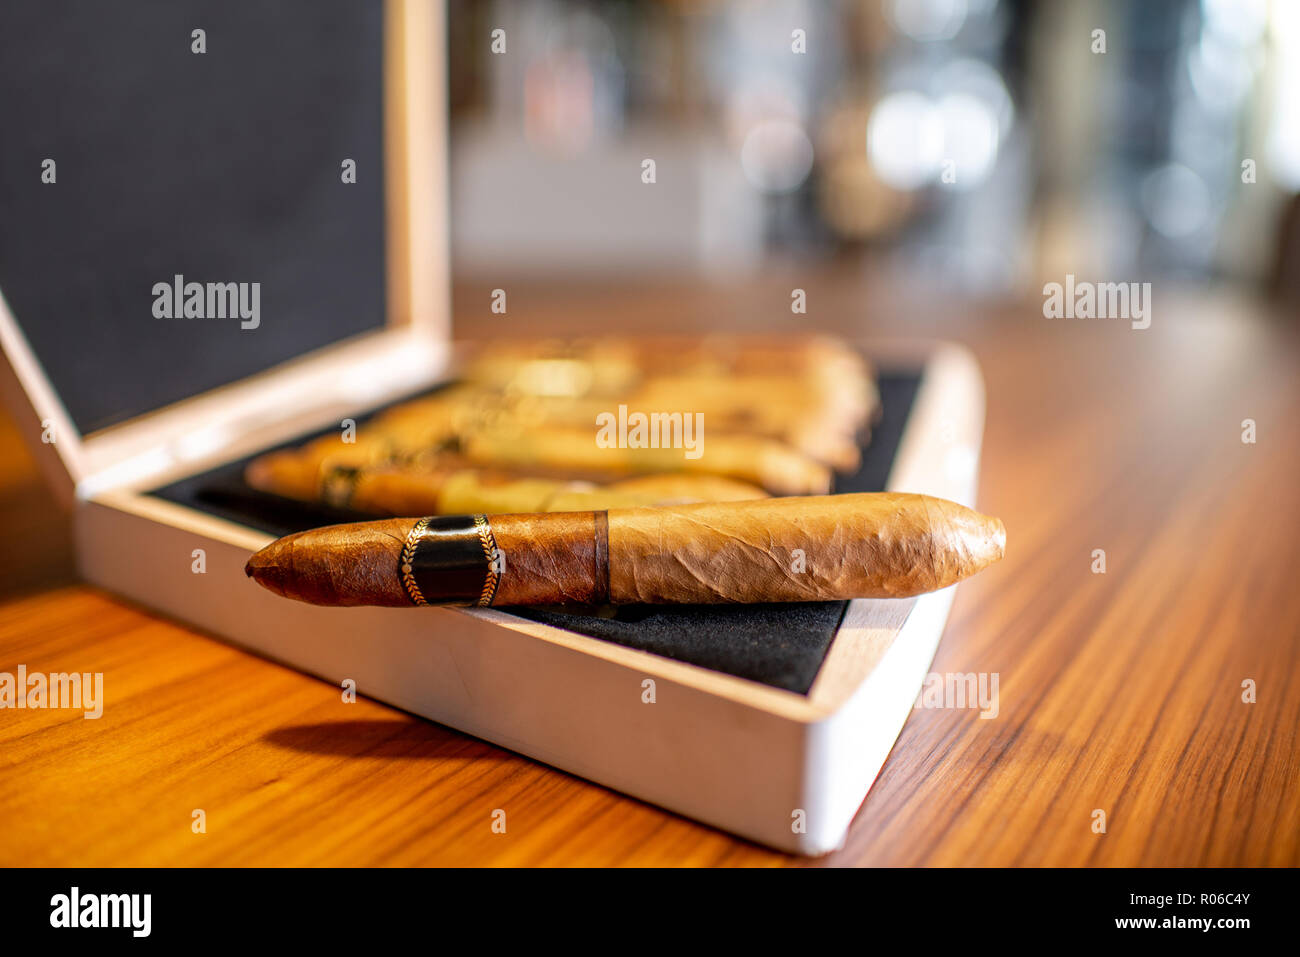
x=762, y=709
x=555, y=411
x=566, y=541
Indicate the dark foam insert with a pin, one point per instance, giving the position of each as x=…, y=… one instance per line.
x=781, y=645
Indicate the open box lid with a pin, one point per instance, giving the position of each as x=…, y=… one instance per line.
x=132, y=157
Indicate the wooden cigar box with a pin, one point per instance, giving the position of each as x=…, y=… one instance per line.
x=776, y=737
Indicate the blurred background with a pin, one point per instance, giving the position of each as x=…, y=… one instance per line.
x=975, y=146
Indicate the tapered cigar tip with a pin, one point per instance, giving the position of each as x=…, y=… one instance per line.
x=982, y=538
x=988, y=542
x=258, y=474
x=265, y=568
x=336, y=565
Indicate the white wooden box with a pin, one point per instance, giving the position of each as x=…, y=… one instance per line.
x=788, y=770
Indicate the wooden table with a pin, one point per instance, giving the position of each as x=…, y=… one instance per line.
x=1120, y=692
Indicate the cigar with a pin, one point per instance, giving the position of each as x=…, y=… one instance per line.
x=611, y=365
x=452, y=489
x=815, y=394
x=820, y=548
x=753, y=459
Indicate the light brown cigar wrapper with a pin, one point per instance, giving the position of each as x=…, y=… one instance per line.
x=398, y=491
x=823, y=433
x=772, y=465
x=882, y=545
x=773, y=409
x=401, y=490
x=609, y=365
x=886, y=545
x=814, y=394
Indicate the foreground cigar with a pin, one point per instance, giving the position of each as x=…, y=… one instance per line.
x=822, y=548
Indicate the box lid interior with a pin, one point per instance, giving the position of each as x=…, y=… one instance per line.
x=224, y=166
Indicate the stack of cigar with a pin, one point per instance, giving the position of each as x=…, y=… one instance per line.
x=520, y=430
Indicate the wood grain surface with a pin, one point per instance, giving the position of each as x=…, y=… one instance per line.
x=1120, y=692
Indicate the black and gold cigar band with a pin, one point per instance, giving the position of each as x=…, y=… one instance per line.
x=451, y=560
x=337, y=483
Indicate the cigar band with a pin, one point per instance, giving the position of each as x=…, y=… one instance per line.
x=600, y=559
x=450, y=560
x=337, y=483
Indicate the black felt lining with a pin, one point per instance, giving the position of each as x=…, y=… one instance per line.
x=779, y=645
x=221, y=167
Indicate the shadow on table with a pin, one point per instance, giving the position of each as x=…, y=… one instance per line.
x=398, y=737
